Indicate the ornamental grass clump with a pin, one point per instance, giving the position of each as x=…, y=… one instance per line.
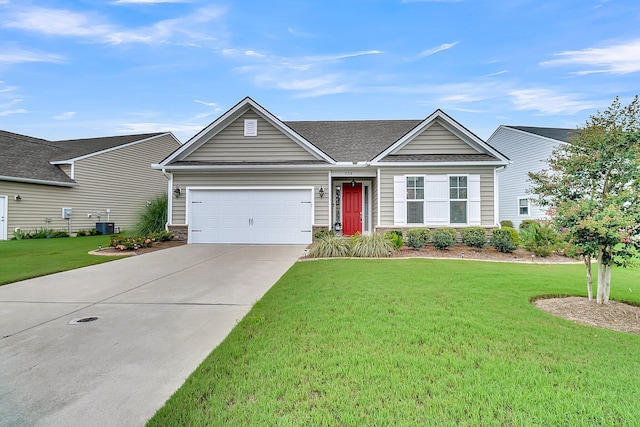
x=417, y=238
x=475, y=237
x=153, y=217
x=330, y=246
x=374, y=245
x=443, y=238
x=540, y=239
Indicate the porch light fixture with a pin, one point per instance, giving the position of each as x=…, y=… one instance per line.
x=321, y=192
x=17, y=198
x=177, y=192
x=353, y=183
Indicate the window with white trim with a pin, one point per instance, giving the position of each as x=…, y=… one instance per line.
x=415, y=200
x=458, y=199
x=523, y=206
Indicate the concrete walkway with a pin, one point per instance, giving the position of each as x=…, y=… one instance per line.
x=159, y=315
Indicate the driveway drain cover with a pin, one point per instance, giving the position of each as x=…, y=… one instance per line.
x=82, y=320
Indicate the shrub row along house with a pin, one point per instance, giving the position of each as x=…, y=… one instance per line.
x=71, y=185
x=250, y=177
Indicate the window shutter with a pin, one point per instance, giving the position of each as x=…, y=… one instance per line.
x=399, y=200
x=475, y=217
x=437, y=199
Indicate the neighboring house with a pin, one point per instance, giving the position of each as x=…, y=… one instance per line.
x=249, y=177
x=100, y=179
x=528, y=148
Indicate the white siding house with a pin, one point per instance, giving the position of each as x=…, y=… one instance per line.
x=528, y=148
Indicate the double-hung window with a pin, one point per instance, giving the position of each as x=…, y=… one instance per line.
x=415, y=200
x=458, y=199
x=523, y=206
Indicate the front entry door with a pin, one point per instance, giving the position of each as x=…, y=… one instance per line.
x=352, y=209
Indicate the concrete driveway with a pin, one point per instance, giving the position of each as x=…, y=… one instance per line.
x=159, y=315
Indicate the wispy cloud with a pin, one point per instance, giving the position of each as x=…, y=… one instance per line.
x=148, y=1
x=432, y=51
x=431, y=1
x=96, y=28
x=623, y=58
x=307, y=76
x=17, y=56
x=549, y=102
x=8, y=108
x=66, y=115
x=213, y=109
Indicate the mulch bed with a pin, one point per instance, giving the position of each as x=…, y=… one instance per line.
x=488, y=253
x=615, y=315
x=156, y=247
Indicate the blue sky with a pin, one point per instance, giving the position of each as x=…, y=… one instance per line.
x=73, y=69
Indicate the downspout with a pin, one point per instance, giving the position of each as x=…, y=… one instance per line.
x=169, y=177
x=378, y=174
x=496, y=196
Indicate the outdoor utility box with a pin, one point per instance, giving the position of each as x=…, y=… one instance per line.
x=105, y=227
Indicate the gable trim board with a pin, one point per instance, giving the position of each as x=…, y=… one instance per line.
x=330, y=171
x=233, y=114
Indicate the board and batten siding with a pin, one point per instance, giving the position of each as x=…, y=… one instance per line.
x=486, y=188
x=253, y=179
x=121, y=180
x=528, y=154
x=436, y=140
x=230, y=144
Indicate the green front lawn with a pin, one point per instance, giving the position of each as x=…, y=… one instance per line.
x=24, y=259
x=416, y=342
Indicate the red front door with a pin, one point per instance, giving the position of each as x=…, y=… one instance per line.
x=351, y=209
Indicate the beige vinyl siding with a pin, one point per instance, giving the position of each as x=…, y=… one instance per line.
x=121, y=180
x=66, y=169
x=486, y=188
x=436, y=140
x=231, y=144
x=253, y=179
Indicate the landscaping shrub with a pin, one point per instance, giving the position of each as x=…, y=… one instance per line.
x=541, y=239
x=443, y=238
x=526, y=223
x=395, y=236
x=417, y=238
x=81, y=233
x=323, y=232
x=476, y=237
x=153, y=217
x=125, y=242
x=19, y=235
x=58, y=234
x=506, y=223
x=502, y=240
x=329, y=246
x=374, y=245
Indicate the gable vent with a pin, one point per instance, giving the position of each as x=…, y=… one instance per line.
x=250, y=127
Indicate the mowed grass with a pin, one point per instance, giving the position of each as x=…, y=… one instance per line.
x=416, y=342
x=24, y=259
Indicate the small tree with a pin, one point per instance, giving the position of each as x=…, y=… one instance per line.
x=593, y=186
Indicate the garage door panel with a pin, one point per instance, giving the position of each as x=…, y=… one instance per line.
x=267, y=216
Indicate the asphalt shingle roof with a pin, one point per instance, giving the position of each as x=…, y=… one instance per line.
x=73, y=148
x=25, y=157
x=559, y=134
x=350, y=141
x=439, y=158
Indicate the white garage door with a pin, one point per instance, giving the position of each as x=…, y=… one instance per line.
x=281, y=216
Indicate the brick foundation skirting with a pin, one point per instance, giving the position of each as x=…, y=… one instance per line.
x=180, y=232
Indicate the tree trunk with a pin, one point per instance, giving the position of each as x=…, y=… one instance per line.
x=604, y=279
x=587, y=264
